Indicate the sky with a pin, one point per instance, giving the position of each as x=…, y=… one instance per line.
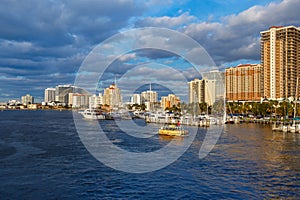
x=44, y=43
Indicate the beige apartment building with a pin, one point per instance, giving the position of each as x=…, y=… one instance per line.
x=112, y=96
x=243, y=82
x=280, y=58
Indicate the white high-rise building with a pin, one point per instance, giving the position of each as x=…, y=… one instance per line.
x=219, y=78
x=62, y=93
x=28, y=99
x=149, y=96
x=49, y=95
x=96, y=101
x=136, y=99
x=80, y=101
x=202, y=91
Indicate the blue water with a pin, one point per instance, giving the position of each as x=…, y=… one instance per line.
x=42, y=157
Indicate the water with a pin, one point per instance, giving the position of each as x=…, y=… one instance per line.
x=42, y=157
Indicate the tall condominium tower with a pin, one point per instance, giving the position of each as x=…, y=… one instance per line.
x=219, y=78
x=112, y=96
x=202, y=91
x=280, y=58
x=136, y=99
x=62, y=93
x=49, y=95
x=149, y=96
x=243, y=82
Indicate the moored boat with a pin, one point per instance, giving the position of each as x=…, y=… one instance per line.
x=92, y=114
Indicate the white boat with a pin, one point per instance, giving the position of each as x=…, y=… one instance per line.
x=120, y=116
x=92, y=114
x=284, y=128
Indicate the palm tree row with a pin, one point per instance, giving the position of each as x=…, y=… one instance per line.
x=266, y=108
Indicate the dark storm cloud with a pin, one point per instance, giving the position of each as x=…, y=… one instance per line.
x=44, y=41
x=55, y=23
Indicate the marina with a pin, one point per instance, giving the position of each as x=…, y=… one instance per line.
x=150, y=100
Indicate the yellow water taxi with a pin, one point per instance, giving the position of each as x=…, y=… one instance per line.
x=172, y=130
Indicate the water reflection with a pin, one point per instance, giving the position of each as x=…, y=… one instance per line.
x=177, y=140
x=275, y=156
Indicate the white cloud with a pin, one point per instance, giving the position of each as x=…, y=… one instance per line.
x=127, y=57
x=237, y=37
x=166, y=21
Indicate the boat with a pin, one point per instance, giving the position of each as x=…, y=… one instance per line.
x=92, y=114
x=172, y=130
x=119, y=116
x=275, y=128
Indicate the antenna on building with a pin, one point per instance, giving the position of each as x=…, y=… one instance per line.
x=115, y=80
x=150, y=86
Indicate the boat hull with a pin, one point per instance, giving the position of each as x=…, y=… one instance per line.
x=92, y=114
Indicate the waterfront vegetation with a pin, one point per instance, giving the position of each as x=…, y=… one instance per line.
x=271, y=108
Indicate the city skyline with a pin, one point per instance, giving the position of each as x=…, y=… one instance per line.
x=47, y=47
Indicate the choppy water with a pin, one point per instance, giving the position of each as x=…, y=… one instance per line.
x=42, y=157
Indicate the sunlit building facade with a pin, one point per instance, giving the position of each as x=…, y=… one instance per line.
x=170, y=101
x=28, y=99
x=95, y=101
x=112, y=96
x=80, y=100
x=62, y=93
x=202, y=91
x=149, y=96
x=243, y=82
x=136, y=99
x=220, y=82
x=49, y=95
x=280, y=58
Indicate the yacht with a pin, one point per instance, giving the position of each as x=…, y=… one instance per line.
x=92, y=114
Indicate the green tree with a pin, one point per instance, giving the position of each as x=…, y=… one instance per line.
x=203, y=107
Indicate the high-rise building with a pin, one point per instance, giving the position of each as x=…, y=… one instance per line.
x=28, y=99
x=80, y=100
x=136, y=99
x=95, y=101
x=243, y=82
x=112, y=96
x=202, y=91
x=149, y=96
x=70, y=99
x=280, y=58
x=169, y=101
x=220, y=82
x=150, y=99
x=49, y=95
x=62, y=93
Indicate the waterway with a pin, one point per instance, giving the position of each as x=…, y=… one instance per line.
x=42, y=157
